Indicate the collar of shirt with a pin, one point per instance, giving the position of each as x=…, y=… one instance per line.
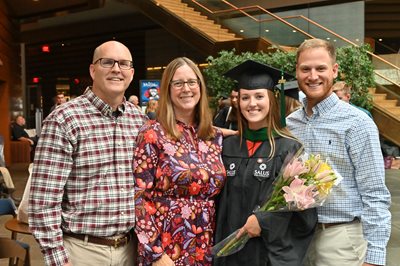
x=103, y=107
x=191, y=127
x=324, y=106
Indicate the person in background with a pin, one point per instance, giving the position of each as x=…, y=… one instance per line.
x=253, y=160
x=81, y=208
x=354, y=223
x=291, y=105
x=292, y=95
x=151, y=109
x=222, y=102
x=59, y=99
x=343, y=91
x=227, y=116
x=178, y=171
x=18, y=131
x=135, y=100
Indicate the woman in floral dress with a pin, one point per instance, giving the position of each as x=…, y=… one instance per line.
x=178, y=172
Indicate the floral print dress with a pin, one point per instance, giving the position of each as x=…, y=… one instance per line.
x=176, y=183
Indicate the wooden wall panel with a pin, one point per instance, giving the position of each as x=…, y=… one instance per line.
x=9, y=74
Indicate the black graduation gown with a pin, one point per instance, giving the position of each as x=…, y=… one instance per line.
x=220, y=119
x=285, y=236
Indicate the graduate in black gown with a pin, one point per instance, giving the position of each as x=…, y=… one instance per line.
x=253, y=160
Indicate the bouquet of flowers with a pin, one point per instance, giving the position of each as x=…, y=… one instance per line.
x=304, y=182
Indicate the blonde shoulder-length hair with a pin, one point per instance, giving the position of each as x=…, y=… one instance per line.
x=273, y=119
x=165, y=110
x=151, y=106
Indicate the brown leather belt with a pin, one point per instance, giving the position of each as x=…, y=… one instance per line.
x=327, y=225
x=116, y=243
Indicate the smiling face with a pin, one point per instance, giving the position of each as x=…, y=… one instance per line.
x=254, y=106
x=109, y=84
x=184, y=99
x=315, y=72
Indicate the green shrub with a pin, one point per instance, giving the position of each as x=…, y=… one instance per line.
x=355, y=67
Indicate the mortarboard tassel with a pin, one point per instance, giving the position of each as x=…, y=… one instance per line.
x=282, y=99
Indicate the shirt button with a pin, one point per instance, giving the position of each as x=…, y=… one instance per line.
x=122, y=189
x=122, y=213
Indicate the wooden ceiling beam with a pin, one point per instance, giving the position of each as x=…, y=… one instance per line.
x=88, y=29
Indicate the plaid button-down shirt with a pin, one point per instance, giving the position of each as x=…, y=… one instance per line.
x=82, y=180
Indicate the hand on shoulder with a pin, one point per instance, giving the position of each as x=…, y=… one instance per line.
x=228, y=132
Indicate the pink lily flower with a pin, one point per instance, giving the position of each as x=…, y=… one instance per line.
x=293, y=169
x=302, y=196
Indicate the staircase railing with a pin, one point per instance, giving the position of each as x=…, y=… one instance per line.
x=255, y=21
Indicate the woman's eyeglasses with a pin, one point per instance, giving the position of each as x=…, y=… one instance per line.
x=192, y=83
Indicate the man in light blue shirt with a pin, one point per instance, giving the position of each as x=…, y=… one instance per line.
x=354, y=223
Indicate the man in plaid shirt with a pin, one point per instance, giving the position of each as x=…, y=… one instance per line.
x=81, y=207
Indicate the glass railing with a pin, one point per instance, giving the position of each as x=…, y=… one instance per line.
x=381, y=48
x=254, y=22
x=257, y=22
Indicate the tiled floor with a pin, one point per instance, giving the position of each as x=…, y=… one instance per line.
x=20, y=175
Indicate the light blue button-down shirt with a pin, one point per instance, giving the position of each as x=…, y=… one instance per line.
x=349, y=139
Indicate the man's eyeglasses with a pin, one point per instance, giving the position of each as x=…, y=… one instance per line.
x=109, y=63
x=192, y=83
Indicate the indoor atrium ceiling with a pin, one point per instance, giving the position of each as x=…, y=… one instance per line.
x=382, y=17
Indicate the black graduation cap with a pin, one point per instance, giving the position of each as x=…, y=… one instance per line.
x=291, y=89
x=253, y=75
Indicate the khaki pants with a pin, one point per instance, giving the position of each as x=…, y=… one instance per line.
x=342, y=245
x=82, y=253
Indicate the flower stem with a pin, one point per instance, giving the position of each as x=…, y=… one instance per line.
x=233, y=244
